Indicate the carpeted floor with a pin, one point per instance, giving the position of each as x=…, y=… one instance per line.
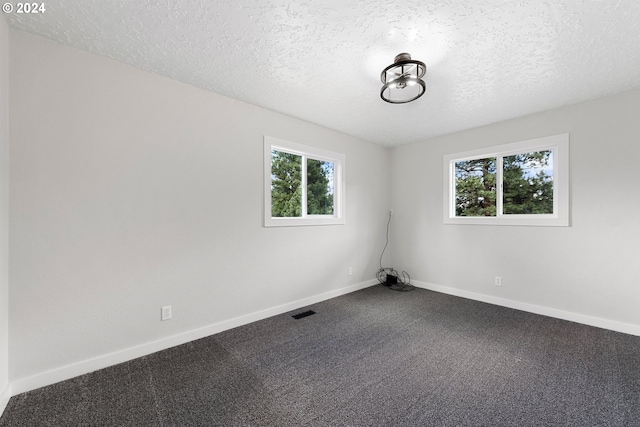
x=370, y=358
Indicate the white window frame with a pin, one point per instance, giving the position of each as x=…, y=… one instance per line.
x=559, y=144
x=305, y=151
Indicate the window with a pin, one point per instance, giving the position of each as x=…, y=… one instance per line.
x=303, y=185
x=523, y=183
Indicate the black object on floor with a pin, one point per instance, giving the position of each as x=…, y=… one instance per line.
x=303, y=314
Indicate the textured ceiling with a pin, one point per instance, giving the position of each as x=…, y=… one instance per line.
x=320, y=60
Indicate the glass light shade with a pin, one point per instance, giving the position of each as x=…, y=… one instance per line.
x=402, y=80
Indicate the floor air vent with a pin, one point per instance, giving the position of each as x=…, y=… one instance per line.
x=303, y=314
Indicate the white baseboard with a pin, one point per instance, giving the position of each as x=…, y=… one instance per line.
x=613, y=325
x=84, y=367
x=5, y=395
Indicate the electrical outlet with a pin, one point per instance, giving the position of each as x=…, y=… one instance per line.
x=350, y=271
x=498, y=281
x=166, y=312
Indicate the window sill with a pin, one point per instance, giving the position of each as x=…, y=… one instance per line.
x=549, y=221
x=301, y=222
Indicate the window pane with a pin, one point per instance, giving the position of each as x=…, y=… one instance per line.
x=528, y=183
x=286, y=179
x=319, y=187
x=475, y=187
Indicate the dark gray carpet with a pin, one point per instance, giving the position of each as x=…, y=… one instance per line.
x=370, y=358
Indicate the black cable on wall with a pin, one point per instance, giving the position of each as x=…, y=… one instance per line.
x=388, y=276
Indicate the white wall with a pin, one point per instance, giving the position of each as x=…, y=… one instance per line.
x=4, y=215
x=588, y=272
x=130, y=191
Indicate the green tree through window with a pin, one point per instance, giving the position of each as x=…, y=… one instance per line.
x=518, y=183
x=287, y=185
x=476, y=187
x=319, y=187
x=527, y=185
x=303, y=185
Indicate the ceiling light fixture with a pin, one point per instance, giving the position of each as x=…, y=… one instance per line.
x=402, y=80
